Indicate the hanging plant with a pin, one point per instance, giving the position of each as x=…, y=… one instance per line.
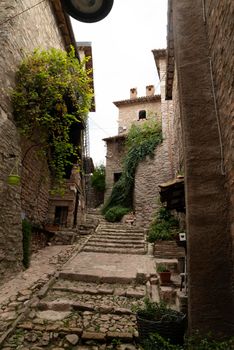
x=52, y=95
x=141, y=142
x=13, y=178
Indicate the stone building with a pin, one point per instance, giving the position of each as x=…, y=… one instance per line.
x=24, y=26
x=137, y=110
x=199, y=79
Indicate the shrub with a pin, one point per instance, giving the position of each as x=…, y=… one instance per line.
x=199, y=342
x=98, y=178
x=116, y=213
x=195, y=342
x=27, y=234
x=157, y=311
x=164, y=227
x=52, y=96
x=156, y=342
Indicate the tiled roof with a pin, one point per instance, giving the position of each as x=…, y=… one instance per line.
x=143, y=99
x=115, y=138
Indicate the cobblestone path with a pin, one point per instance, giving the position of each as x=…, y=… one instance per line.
x=87, y=304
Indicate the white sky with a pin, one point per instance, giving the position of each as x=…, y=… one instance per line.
x=122, y=59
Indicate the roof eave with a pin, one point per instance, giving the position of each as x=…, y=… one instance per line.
x=159, y=54
x=64, y=25
x=143, y=99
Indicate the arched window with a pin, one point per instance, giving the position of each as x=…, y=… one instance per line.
x=142, y=114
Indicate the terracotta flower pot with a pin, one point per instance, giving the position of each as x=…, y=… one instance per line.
x=165, y=277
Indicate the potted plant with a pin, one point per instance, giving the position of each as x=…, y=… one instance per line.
x=164, y=273
x=155, y=317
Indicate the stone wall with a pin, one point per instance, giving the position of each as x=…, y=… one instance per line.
x=94, y=198
x=31, y=29
x=151, y=172
x=35, y=183
x=177, y=127
x=129, y=114
x=219, y=17
x=114, y=156
x=208, y=190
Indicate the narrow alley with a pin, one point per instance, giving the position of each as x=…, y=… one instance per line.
x=87, y=302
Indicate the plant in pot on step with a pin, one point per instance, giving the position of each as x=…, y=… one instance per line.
x=157, y=317
x=164, y=273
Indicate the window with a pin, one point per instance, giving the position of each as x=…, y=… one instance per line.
x=117, y=177
x=142, y=114
x=60, y=217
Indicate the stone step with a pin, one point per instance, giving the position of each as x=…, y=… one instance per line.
x=117, y=240
x=85, y=232
x=94, y=332
x=182, y=301
x=120, y=234
x=115, y=245
x=88, y=248
x=65, y=305
x=94, y=293
x=119, y=237
x=119, y=229
x=167, y=294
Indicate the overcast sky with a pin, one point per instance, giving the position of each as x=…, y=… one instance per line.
x=122, y=59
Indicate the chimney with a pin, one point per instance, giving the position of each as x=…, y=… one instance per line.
x=150, y=90
x=133, y=93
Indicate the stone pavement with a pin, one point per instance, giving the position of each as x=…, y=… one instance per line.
x=43, y=264
x=83, y=304
x=103, y=267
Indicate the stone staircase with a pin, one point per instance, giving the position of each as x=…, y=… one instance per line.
x=117, y=238
x=89, y=304
x=81, y=316
x=170, y=292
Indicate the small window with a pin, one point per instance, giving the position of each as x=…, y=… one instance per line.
x=60, y=217
x=117, y=176
x=142, y=114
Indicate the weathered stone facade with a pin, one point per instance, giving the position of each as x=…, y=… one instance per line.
x=25, y=25
x=129, y=109
x=152, y=171
x=204, y=62
x=114, y=156
x=129, y=115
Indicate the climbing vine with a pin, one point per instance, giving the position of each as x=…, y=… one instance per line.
x=52, y=96
x=141, y=142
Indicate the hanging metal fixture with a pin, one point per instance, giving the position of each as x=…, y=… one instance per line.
x=88, y=11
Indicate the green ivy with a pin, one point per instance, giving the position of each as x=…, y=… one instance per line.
x=98, y=178
x=164, y=226
x=51, y=96
x=115, y=214
x=141, y=142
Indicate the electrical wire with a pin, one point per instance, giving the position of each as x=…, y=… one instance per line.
x=99, y=127
x=217, y=118
x=20, y=13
